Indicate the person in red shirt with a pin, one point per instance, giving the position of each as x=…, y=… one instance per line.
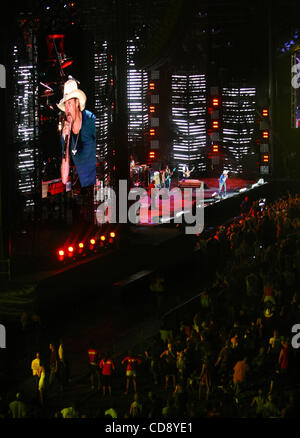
x=151, y=198
x=240, y=371
x=53, y=364
x=107, y=367
x=131, y=361
x=283, y=358
x=94, y=358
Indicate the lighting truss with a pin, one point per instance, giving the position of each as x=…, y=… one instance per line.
x=239, y=106
x=189, y=119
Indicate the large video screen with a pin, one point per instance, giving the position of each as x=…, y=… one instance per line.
x=67, y=128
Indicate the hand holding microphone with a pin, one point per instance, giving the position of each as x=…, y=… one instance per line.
x=65, y=165
x=66, y=130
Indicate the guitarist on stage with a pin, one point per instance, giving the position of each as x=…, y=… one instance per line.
x=222, y=183
x=168, y=176
x=187, y=172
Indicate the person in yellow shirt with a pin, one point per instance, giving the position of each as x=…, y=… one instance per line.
x=36, y=368
x=42, y=385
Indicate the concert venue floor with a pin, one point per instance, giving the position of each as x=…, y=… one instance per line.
x=106, y=297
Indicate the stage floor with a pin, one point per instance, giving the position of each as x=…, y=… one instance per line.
x=211, y=187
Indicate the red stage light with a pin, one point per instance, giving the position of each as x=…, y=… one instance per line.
x=265, y=112
x=152, y=109
x=92, y=244
x=66, y=63
x=112, y=234
x=80, y=246
x=70, y=251
x=215, y=148
x=265, y=134
x=216, y=101
x=61, y=255
x=152, y=131
x=266, y=158
x=102, y=238
x=56, y=36
x=215, y=124
x=152, y=86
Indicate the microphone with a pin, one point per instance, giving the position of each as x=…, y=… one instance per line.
x=66, y=142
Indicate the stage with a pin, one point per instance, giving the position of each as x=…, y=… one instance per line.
x=36, y=248
x=210, y=186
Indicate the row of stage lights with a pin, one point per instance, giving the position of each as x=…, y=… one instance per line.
x=81, y=249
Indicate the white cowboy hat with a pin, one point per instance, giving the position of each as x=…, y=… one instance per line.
x=71, y=90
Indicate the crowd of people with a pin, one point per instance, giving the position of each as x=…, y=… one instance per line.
x=233, y=357
x=230, y=354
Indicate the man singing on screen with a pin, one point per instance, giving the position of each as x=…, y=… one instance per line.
x=78, y=140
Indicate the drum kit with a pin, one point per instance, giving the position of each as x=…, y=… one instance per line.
x=140, y=175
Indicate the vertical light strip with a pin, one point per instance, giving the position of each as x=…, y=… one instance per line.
x=137, y=84
x=102, y=111
x=239, y=106
x=25, y=117
x=189, y=120
x=101, y=84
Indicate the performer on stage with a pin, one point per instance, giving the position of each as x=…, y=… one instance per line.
x=168, y=177
x=162, y=179
x=132, y=171
x=222, y=183
x=187, y=172
x=152, y=199
x=132, y=163
x=79, y=144
x=157, y=179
